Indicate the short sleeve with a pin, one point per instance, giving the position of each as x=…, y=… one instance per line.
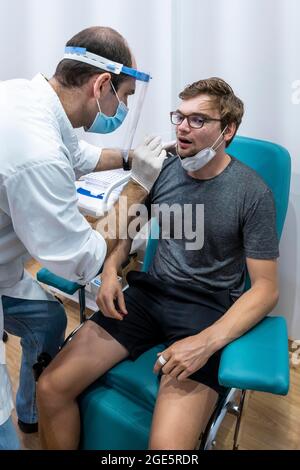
x=259, y=229
x=86, y=158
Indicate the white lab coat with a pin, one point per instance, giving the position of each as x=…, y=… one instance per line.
x=40, y=159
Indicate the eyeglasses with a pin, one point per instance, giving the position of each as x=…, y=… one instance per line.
x=194, y=120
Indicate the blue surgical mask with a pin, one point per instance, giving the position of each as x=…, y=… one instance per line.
x=105, y=124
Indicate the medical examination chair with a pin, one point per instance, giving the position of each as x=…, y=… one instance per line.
x=116, y=410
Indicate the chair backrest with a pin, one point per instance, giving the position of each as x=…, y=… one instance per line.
x=271, y=161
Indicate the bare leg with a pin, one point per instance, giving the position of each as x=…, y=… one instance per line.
x=89, y=355
x=181, y=412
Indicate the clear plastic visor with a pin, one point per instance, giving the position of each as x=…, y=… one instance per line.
x=131, y=91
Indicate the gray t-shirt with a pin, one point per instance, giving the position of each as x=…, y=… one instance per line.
x=239, y=222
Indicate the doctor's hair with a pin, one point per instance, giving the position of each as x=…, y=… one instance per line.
x=231, y=107
x=100, y=40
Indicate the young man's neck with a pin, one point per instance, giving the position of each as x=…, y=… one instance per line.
x=213, y=168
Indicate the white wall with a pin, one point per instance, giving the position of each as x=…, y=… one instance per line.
x=253, y=44
x=34, y=33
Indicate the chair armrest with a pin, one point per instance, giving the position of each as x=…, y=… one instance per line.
x=258, y=360
x=45, y=276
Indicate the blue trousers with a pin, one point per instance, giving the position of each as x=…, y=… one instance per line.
x=8, y=436
x=41, y=326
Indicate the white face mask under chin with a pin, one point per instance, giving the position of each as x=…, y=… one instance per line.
x=201, y=158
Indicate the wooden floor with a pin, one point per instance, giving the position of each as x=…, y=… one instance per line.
x=269, y=422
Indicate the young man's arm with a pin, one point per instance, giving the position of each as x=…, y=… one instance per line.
x=252, y=306
x=190, y=354
x=114, y=225
x=146, y=166
x=111, y=289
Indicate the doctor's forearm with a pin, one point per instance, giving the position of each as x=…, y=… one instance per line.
x=248, y=310
x=114, y=226
x=111, y=159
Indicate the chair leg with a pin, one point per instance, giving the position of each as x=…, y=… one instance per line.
x=82, y=305
x=224, y=404
x=70, y=336
x=237, y=410
x=81, y=294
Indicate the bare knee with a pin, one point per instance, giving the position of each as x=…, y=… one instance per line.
x=44, y=388
x=160, y=443
x=49, y=392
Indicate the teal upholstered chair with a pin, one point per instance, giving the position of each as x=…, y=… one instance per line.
x=116, y=410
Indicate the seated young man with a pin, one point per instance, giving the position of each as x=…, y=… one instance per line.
x=192, y=299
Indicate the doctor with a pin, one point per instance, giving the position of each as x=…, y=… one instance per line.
x=40, y=159
x=8, y=437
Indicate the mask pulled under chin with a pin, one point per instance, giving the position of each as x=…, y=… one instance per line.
x=203, y=157
x=199, y=160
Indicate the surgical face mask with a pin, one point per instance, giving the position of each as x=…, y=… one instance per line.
x=201, y=158
x=105, y=124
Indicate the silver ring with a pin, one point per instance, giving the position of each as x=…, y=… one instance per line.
x=162, y=360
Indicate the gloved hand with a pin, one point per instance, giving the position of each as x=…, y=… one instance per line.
x=147, y=162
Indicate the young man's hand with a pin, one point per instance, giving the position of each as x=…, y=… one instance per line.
x=110, y=298
x=185, y=357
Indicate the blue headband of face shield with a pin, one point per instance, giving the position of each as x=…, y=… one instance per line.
x=82, y=55
x=104, y=124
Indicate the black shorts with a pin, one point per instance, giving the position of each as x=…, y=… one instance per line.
x=161, y=312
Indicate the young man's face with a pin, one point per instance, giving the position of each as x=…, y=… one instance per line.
x=189, y=140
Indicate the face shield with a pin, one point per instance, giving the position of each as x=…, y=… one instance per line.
x=132, y=92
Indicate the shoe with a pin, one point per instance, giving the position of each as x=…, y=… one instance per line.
x=28, y=428
x=5, y=337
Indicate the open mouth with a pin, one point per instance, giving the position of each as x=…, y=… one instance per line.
x=184, y=142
